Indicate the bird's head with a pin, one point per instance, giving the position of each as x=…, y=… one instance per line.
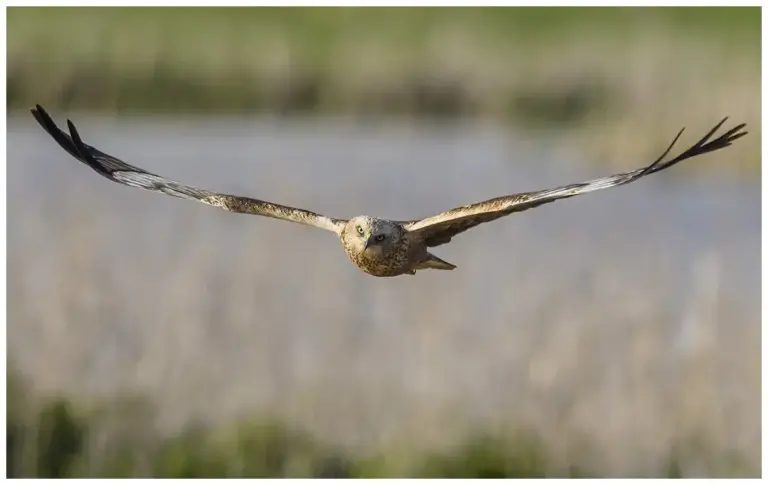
x=372, y=236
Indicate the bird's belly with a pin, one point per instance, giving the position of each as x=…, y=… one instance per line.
x=377, y=267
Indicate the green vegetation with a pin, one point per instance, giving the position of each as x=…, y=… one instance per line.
x=331, y=59
x=53, y=438
x=605, y=73
x=52, y=441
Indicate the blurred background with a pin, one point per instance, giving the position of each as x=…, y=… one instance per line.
x=616, y=334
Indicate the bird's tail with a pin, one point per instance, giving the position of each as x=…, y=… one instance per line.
x=433, y=262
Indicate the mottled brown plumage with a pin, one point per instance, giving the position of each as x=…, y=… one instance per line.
x=379, y=247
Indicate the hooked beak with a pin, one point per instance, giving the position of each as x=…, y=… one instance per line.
x=367, y=242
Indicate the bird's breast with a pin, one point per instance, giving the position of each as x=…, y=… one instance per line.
x=378, y=264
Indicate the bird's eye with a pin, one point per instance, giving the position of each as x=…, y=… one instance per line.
x=359, y=230
x=380, y=237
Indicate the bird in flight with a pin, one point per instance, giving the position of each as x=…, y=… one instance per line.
x=379, y=247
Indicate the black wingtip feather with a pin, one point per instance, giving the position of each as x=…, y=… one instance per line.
x=706, y=137
x=47, y=123
x=80, y=146
x=75, y=135
x=704, y=145
x=651, y=168
x=73, y=130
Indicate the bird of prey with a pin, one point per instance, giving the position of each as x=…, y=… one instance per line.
x=379, y=247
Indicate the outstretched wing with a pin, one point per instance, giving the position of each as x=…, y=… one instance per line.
x=121, y=172
x=439, y=229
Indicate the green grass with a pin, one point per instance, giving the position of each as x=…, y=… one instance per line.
x=54, y=438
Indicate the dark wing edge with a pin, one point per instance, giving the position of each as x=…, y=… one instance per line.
x=118, y=171
x=439, y=229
